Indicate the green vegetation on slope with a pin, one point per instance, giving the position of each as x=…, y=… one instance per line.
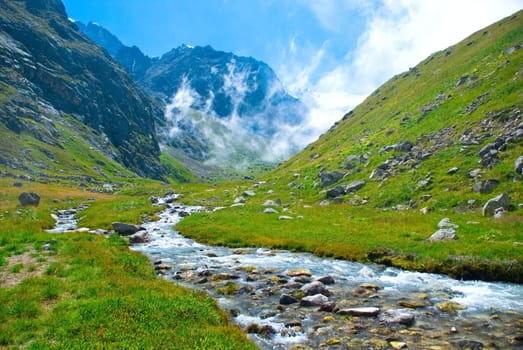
x=448, y=108
x=72, y=291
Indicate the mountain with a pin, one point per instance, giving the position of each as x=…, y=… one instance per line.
x=59, y=91
x=221, y=108
x=447, y=133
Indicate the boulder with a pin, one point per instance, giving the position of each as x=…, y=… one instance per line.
x=443, y=234
x=29, y=198
x=484, y=187
x=397, y=316
x=446, y=223
x=327, y=179
x=314, y=300
x=404, y=146
x=314, y=288
x=270, y=211
x=125, y=229
x=326, y=280
x=270, y=203
x=335, y=192
x=286, y=299
x=518, y=165
x=452, y=171
x=284, y=217
x=298, y=272
x=354, y=186
x=501, y=201
x=139, y=237
x=249, y=193
x=465, y=344
x=18, y=184
x=360, y=311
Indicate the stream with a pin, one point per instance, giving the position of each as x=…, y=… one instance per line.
x=286, y=300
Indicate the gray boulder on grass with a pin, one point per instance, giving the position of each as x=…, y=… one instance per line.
x=501, y=201
x=125, y=229
x=29, y=198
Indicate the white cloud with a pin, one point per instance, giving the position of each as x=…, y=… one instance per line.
x=398, y=34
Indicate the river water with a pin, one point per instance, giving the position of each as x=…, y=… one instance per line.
x=409, y=309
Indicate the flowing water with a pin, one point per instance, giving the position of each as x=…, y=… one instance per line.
x=413, y=306
x=406, y=309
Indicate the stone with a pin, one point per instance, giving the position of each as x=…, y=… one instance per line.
x=140, y=237
x=443, y=234
x=298, y=272
x=270, y=203
x=425, y=210
x=450, y=307
x=249, y=193
x=285, y=217
x=398, y=345
x=412, y=304
x=314, y=288
x=270, y=211
x=446, y=223
x=327, y=179
x=485, y=151
x=18, y=184
x=125, y=229
x=452, y=171
x=324, y=203
x=335, y=192
x=326, y=280
x=470, y=345
x=29, y=198
x=314, y=300
x=397, y=316
x=329, y=306
x=501, y=201
x=371, y=286
x=518, y=166
x=354, y=186
x=286, y=299
x=239, y=200
x=360, y=311
x=499, y=213
x=404, y=146
x=484, y=187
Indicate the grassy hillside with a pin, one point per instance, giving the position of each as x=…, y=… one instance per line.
x=403, y=141
x=83, y=291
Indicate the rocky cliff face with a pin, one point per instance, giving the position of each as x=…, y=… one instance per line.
x=49, y=69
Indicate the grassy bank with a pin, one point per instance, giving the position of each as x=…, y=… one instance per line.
x=81, y=291
x=488, y=249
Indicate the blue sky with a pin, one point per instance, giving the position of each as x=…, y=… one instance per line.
x=330, y=53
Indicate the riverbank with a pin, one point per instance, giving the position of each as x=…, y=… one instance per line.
x=271, y=216
x=79, y=290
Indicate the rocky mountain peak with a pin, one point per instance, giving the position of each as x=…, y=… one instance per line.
x=38, y=7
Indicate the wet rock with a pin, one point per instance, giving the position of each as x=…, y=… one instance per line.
x=443, y=234
x=355, y=186
x=397, y=316
x=314, y=300
x=360, y=311
x=329, y=306
x=501, y=201
x=314, y=288
x=298, y=272
x=484, y=187
x=326, y=280
x=518, y=165
x=140, y=237
x=398, y=345
x=286, y=299
x=265, y=331
x=327, y=179
x=125, y=229
x=412, y=304
x=29, y=198
x=371, y=286
x=450, y=307
x=469, y=345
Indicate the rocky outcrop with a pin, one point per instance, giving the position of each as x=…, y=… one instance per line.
x=54, y=71
x=518, y=166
